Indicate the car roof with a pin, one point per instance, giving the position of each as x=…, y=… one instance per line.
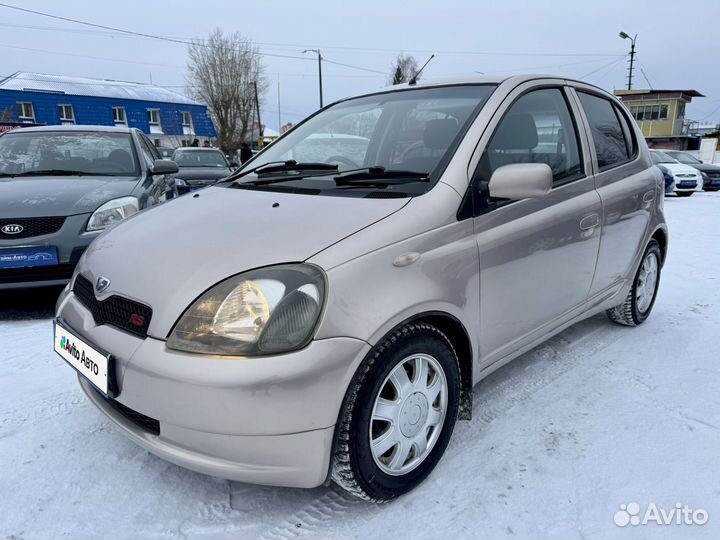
x=488, y=79
x=198, y=149
x=73, y=127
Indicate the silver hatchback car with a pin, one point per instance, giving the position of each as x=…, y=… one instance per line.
x=330, y=306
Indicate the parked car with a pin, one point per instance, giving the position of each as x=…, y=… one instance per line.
x=669, y=181
x=709, y=172
x=329, y=320
x=166, y=152
x=200, y=167
x=60, y=186
x=687, y=179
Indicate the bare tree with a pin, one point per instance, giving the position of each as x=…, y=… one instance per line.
x=221, y=73
x=403, y=69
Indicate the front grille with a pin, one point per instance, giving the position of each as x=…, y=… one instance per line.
x=31, y=226
x=713, y=174
x=122, y=313
x=687, y=184
x=38, y=273
x=685, y=175
x=145, y=423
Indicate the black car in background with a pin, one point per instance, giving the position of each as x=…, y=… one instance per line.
x=61, y=186
x=200, y=167
x=710, y=172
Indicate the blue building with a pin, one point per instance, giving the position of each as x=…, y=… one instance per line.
x=167, y=117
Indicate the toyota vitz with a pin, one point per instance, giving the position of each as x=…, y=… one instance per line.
x=329, y=308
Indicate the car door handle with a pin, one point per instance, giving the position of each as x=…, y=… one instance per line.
x=589, y=222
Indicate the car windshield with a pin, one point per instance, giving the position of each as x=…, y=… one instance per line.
x=661, y=157
x=685, y=158
x=199, y=158
x=408, y=132
x=77, y=153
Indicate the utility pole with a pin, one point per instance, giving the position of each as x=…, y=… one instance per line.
x=632, y=56
x=257, y=106
x=319, y=57
x=279, y=119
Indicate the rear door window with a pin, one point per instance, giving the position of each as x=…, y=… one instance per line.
x=611, y=147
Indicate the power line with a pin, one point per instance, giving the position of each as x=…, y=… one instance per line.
x=191, y=41
x=130, y=32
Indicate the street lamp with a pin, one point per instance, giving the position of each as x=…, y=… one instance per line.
x=632, y=55
x=319, y=55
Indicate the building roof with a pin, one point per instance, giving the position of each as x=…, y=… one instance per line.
x=83, y=86
x=690, y=93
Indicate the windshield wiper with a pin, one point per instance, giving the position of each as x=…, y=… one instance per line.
x=273, y=167
x=379, y=176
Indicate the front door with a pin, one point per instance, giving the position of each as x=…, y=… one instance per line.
x=537, y=256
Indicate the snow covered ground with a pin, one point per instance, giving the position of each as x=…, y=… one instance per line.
x=598, y=417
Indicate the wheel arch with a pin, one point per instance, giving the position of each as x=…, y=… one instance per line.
x=459, y=337
x=660, y=235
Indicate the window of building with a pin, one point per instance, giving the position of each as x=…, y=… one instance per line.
x=154, y=117
x=25, y=111
x=649, y=112
x=67, y=115
x=119, y=115
x=610, y=145
x=187, y=119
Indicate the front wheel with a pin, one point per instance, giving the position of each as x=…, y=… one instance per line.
x=641, y=298
x=398, y=415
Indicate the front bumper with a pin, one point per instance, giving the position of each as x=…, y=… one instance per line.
x=267, y=420
x=71, y=240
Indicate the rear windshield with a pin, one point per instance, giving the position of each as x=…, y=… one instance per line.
x=199, y=158
x=79, y=153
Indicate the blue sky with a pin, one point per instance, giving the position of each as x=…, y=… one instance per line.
x=677, y=43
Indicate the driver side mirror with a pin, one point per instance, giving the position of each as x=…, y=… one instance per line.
x=521, y=181
x=163, y=166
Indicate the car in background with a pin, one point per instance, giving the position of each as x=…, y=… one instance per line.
x=61, y=186
x=687, y=179
x=709, y=172
x=166, y=152
x=200, y=167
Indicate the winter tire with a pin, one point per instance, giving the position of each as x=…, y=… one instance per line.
x=398, y=414
x=641, y=298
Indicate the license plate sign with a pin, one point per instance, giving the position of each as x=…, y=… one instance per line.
x=91, y=363
x=23, y=257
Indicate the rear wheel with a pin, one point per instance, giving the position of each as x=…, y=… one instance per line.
x=399, y=414
x=684, y=193
x=641, y=298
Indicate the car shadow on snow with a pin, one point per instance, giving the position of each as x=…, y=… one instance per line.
x=28, y=304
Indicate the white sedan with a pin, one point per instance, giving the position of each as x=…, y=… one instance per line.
x=687, y=179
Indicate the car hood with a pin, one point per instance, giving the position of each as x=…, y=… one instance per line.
x=167, y=256
x=39, y=196
x=707, y=167
x=202, y=173
x=680, y=168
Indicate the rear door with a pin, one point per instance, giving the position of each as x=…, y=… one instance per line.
x=627, y=186
x=537, y=256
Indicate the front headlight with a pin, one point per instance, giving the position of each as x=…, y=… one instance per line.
x=180, y=182
x=113, y=212
x=269, y=310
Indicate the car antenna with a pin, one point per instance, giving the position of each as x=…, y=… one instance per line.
x=413, y=81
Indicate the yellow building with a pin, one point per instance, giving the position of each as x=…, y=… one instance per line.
x=660, y=114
